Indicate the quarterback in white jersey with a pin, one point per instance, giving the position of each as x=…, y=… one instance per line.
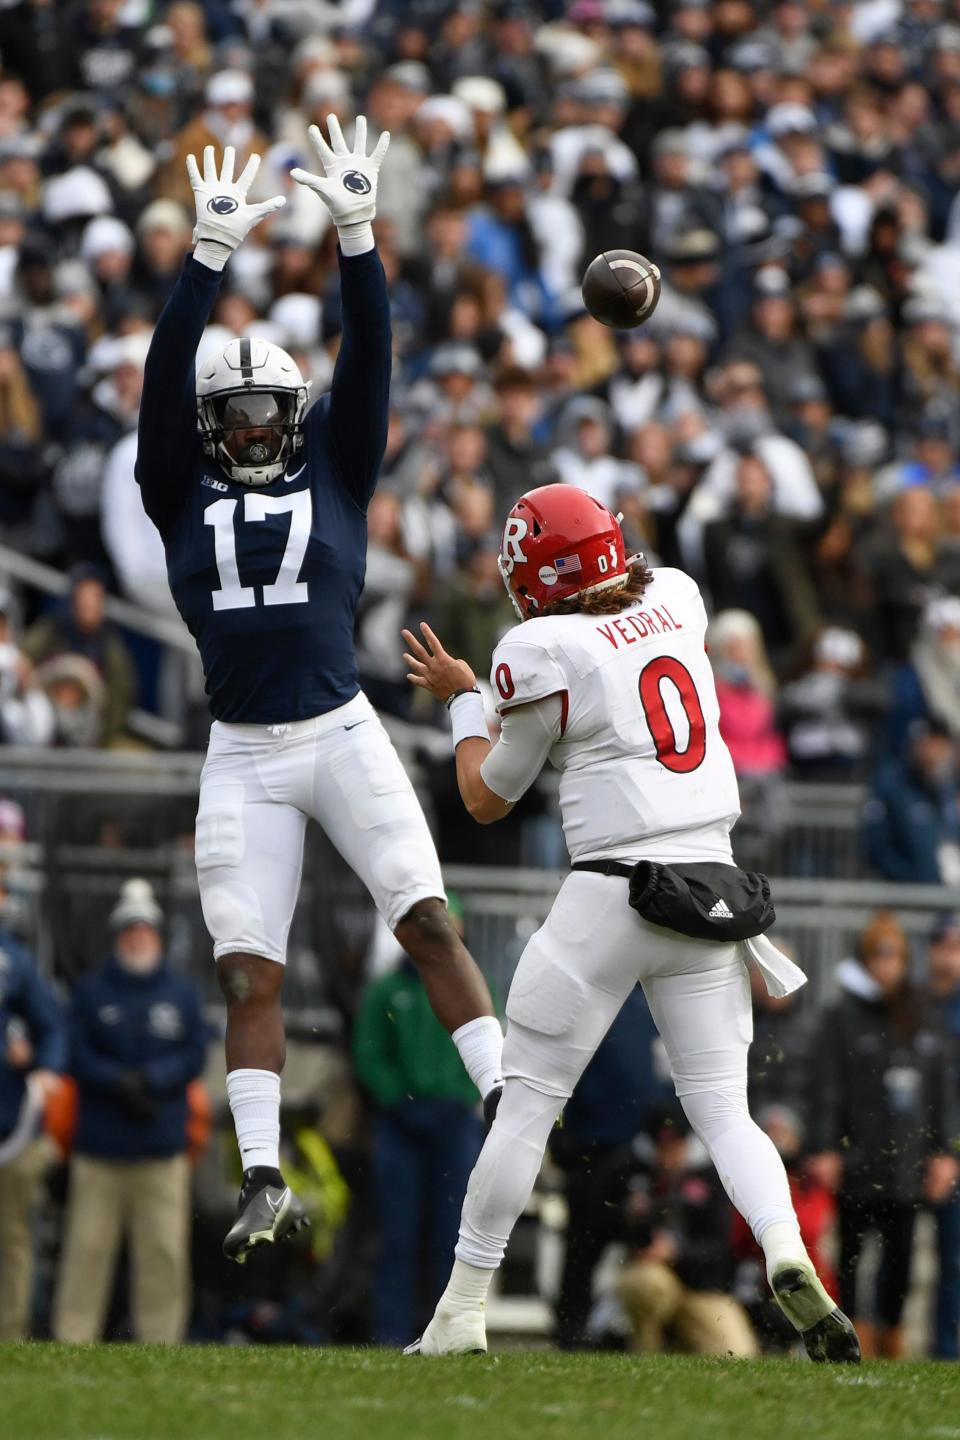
x=607, y=678
x=644, y=772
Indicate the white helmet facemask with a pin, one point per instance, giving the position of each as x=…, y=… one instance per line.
x=251, y=400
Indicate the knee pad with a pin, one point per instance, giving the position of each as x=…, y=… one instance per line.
x=232, y=913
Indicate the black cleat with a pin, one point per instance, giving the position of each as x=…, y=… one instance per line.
x=490, y=1103
x=267, y=1211
x=828, y=1337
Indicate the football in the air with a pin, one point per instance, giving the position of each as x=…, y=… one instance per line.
x=621, y=288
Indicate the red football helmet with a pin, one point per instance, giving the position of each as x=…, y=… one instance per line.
x=559, y=542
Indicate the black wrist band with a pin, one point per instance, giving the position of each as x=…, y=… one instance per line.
x=473, y=690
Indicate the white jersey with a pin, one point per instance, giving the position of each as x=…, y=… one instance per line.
x=644, y=771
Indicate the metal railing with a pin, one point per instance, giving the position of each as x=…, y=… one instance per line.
x=133, y=617
x=95, y=817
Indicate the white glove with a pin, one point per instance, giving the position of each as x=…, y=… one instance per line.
x=348, y=185
x=223, y=215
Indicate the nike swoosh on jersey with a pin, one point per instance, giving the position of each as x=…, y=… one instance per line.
x=355, y=724
x=296, y=476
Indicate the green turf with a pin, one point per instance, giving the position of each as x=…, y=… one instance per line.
x=52, y=1392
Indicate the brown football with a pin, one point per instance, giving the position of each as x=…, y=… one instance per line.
x=621, y=288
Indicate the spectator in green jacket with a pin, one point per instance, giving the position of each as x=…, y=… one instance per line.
x=427, y=1136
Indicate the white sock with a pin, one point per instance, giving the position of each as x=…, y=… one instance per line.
x=480, y=1043
x=466, y=1289
x=781, y=1243
x=254, y=1097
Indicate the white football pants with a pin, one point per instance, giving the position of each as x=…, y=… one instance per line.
x=571, y=981
x=260, y=785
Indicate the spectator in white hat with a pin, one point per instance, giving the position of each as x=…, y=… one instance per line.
x=392, y=105
x=107, y=248
x=77, y=194
x=163, y=235
x=137, y=1041
x=927, y=687
x=227, y=119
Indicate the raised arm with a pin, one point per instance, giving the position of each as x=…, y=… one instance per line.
x=360, y=392
x=168, y=408
x=356, y=409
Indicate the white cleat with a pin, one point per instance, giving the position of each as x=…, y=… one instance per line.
x=463, y=1333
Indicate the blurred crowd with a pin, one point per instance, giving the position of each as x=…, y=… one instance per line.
x=786, y=427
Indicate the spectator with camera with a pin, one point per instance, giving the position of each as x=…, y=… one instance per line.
x=676, y=1218
x=137, y=1040
x=832, y=709
x=883, y=1117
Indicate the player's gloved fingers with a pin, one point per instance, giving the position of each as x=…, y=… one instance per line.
x=360, y=138
x=319, y=144
x=193, y=172
x=336, y=136
x=313, y=182
x=248, y=174
x=267, y=207
x=380, y=149
x=227, y=168
x=209, y=165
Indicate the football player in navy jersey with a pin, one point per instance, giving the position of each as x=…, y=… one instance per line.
x=261, y=503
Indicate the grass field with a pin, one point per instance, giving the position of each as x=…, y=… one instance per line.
x=130, y=1392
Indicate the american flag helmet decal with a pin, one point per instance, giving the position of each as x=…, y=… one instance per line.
x=567, y=564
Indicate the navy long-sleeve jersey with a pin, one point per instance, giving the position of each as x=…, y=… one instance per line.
x=267, y=578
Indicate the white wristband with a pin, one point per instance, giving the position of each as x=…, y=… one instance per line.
x=467, y=718
x=356, y=239
x=212, y=253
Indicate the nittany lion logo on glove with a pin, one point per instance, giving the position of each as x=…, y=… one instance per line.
x=356, y=183
x=222, y=204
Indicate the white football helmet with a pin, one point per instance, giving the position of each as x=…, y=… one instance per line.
x=251, y=386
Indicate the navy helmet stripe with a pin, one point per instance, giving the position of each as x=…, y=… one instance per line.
x=246, y=367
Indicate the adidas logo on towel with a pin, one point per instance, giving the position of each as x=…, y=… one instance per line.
x=721, y=911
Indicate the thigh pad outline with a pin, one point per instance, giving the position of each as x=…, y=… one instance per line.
x=544, y=997
x=372, y=781
x=219, y=833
